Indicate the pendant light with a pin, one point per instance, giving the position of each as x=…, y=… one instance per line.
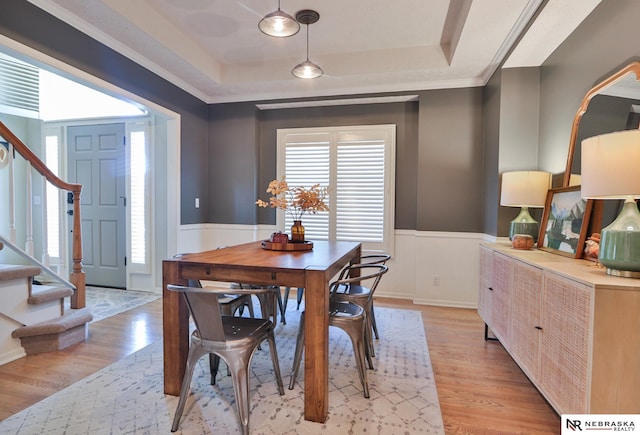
x=279, y=24
x=307, y=69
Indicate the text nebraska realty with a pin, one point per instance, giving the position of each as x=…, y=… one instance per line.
x=616, y=426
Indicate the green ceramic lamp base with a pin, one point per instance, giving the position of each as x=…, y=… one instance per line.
x=524, y=224
x=620, y=243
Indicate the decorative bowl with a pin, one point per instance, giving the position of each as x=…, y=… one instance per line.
x=522, y=241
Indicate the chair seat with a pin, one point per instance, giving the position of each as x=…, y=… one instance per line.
x=355, y=293
x=339, y=309
x=242, y=328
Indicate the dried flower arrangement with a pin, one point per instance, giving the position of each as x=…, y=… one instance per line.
x=295, y=200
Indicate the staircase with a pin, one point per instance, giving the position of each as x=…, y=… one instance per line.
x=32, y=317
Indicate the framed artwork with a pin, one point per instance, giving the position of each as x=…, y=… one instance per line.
x=563, y=229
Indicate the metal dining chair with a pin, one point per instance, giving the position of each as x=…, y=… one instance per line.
x=351, y=318
x=359, y=291
x=270, y=302
x=230, y=338
x=299, y=293
x=365, y=259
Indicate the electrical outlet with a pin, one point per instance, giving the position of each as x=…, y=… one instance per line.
x=197, y=202
x=436, y=280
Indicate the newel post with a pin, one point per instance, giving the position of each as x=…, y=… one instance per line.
x=77, y=274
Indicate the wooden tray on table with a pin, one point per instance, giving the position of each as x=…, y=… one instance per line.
x=302, y=246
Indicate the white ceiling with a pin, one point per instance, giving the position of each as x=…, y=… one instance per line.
x=214, y=50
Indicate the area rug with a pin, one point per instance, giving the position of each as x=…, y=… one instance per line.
x=106, y=302
x=127, y=397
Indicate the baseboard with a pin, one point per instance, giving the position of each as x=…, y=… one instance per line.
x=444, y=303
x=12, y=355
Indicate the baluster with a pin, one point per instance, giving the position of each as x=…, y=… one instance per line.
x=28, y=246
x=45, y=233
x=12, y=197
x=78, y=277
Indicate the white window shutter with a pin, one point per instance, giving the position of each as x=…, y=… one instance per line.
x=307, y=163
x=360, y=189
x=19, y=87
x=358, y=165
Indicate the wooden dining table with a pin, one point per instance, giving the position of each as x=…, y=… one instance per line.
x=252, y=264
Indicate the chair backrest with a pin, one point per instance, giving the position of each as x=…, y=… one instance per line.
x=374, y=259
x=363, y=260
x=369, y=275
x=205, y=310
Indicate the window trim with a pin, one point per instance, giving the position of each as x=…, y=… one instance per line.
x=386, y=132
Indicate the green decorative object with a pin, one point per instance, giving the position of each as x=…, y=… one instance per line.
x=620, y=243
x=524, y=189
x=610, y=171
x=524, y=224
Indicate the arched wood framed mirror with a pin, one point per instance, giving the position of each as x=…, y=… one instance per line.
x=611, y=105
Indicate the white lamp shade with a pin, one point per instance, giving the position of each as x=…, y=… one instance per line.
x=611, y=165
x=525, y=188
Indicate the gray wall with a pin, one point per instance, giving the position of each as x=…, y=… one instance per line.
x=450, y=161
x=243, y=145
x=518, y=132
x=605, y=42
x=601, y=45
x=449, y=144
x=438, y=156
x=401, y=114
x=491, y=140
x=31, y=26
x=234, y=162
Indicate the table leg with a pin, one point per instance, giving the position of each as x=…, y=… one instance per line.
x=316, y=354
x=175, y=329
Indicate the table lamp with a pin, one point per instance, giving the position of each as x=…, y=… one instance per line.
x=524, y=189
x=610, y=170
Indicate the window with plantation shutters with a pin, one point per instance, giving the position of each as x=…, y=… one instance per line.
x=357, y=163
x=138, y=199
x=19, y=87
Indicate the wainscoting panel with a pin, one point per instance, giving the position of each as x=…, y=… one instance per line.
x=427, y=267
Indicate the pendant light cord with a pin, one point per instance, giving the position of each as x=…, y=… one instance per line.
x=307, y=41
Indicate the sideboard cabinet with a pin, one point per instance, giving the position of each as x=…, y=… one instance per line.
x=572, y=329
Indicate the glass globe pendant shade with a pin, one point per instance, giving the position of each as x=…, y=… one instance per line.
x=279, y=24
x=307, y=70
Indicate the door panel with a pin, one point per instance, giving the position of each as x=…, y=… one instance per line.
x=96, y=156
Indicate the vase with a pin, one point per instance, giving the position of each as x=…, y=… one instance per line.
x=297, y=232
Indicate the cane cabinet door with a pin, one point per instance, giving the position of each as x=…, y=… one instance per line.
x=565, y=343
x=501, y=296
x=525, y=316
x=485, y=301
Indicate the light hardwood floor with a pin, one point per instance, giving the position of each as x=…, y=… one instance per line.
x=481, y=389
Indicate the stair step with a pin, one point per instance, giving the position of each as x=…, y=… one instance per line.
x=9, y=272
x=41, y=294
x=56, y=334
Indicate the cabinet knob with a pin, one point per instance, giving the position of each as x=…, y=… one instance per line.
x=491, y=288
x=539, y=327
